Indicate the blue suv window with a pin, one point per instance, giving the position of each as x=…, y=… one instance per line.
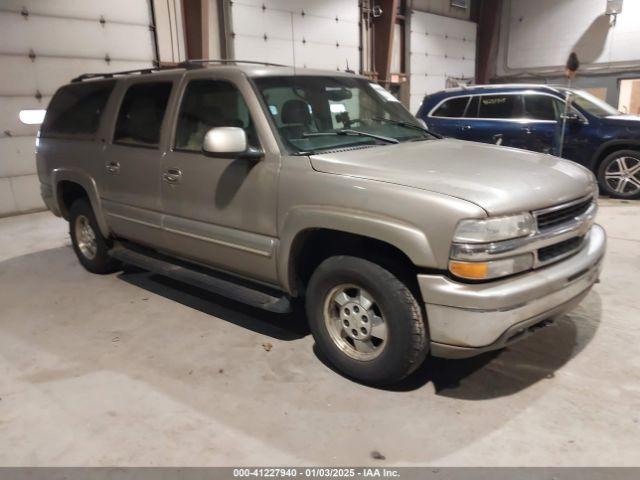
x=499, y=106
x=542, y=107
x=452, y=108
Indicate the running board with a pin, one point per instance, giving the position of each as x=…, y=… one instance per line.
x=201, y=278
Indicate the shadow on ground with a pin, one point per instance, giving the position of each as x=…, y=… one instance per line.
x=489, y=375
x=291, y=326
x=515, y=368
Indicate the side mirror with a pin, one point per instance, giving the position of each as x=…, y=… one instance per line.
x=229, y=142
x=572, y=117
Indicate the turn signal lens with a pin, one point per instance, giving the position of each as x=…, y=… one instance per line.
x=491, y=269
x=471, y=270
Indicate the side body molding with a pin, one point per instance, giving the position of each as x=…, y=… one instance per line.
x=299, y=220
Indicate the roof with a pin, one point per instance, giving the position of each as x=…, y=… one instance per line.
x=500, y=86
x=250, y=68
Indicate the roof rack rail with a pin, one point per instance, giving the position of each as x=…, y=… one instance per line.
x=187, y=64
x=141, y=71
x=200, y=62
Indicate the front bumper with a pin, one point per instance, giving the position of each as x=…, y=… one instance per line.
x=468, y=319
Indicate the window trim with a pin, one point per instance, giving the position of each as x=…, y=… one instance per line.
x=514, y=92
x=183, y=90
x=128, y=87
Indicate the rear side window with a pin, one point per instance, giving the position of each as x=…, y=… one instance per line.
x=452, y=108
x=75, y=110
x=542, y=107
x=141, y=114
x=472, y=109
x=499, y=106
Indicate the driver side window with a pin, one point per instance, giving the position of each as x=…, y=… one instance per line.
x=542, y=107
x=207, y=104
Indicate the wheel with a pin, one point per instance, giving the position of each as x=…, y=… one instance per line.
x=365, y=321
x=91, y=248
x=619, y=174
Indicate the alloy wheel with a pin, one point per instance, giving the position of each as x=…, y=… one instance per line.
x=355, y=322
x=623, y=175
x=85, y=237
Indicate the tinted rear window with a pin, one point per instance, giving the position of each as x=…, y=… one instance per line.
x=141, y=114
x=452, y=108
x=75, y=110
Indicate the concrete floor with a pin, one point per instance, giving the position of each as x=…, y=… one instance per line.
x=133, y=369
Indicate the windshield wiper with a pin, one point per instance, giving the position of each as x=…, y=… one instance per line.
x=406, y=124
x=347, y=132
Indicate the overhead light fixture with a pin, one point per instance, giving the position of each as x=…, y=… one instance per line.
x=32, y=117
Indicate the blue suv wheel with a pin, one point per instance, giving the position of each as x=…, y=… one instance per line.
x=619, y=174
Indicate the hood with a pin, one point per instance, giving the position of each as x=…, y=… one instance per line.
x=498, y=179
x=632, y=121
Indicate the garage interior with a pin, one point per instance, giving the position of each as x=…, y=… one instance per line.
x=134, y=369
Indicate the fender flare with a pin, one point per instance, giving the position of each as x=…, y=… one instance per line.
x=300, y=220
x=595, y=158
x=88, y=184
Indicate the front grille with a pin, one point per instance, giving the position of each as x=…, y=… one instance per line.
x=546, y=254
x=554, y=218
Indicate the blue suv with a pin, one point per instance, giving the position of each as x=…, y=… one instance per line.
x=530, y=117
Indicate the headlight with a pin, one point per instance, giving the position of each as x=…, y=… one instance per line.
x=494, y=229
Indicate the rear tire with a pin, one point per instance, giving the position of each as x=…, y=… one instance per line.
x=91, y=248
x=619, y=174
x=365, y=321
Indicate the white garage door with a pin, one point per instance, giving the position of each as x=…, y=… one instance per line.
x=441, y=48
x=305, y=33
x=43, y=45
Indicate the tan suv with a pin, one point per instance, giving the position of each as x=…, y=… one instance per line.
x=263, y=183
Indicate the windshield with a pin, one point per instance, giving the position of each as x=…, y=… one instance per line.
x=312, y=113
x=592, y=104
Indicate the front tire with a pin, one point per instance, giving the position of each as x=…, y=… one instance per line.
x=619, y=174
x=365, y=321
x=91, y=248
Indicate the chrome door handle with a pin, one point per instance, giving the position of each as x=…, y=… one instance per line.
x=172, y=175
x=113, y=166
x=526, y=130
x=465, y=127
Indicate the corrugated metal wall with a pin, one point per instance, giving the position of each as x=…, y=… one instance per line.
x=305, y=33
x=441, y=48
x=539, y=36
x=43, y=45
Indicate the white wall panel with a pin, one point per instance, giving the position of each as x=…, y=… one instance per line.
x=543, y=33
x=306, y=33
x=7, y=201
x=16, y=156
x=43, y=45
x=49, y=36
x=125, y=11
x=26, y=191
x=441, y=48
